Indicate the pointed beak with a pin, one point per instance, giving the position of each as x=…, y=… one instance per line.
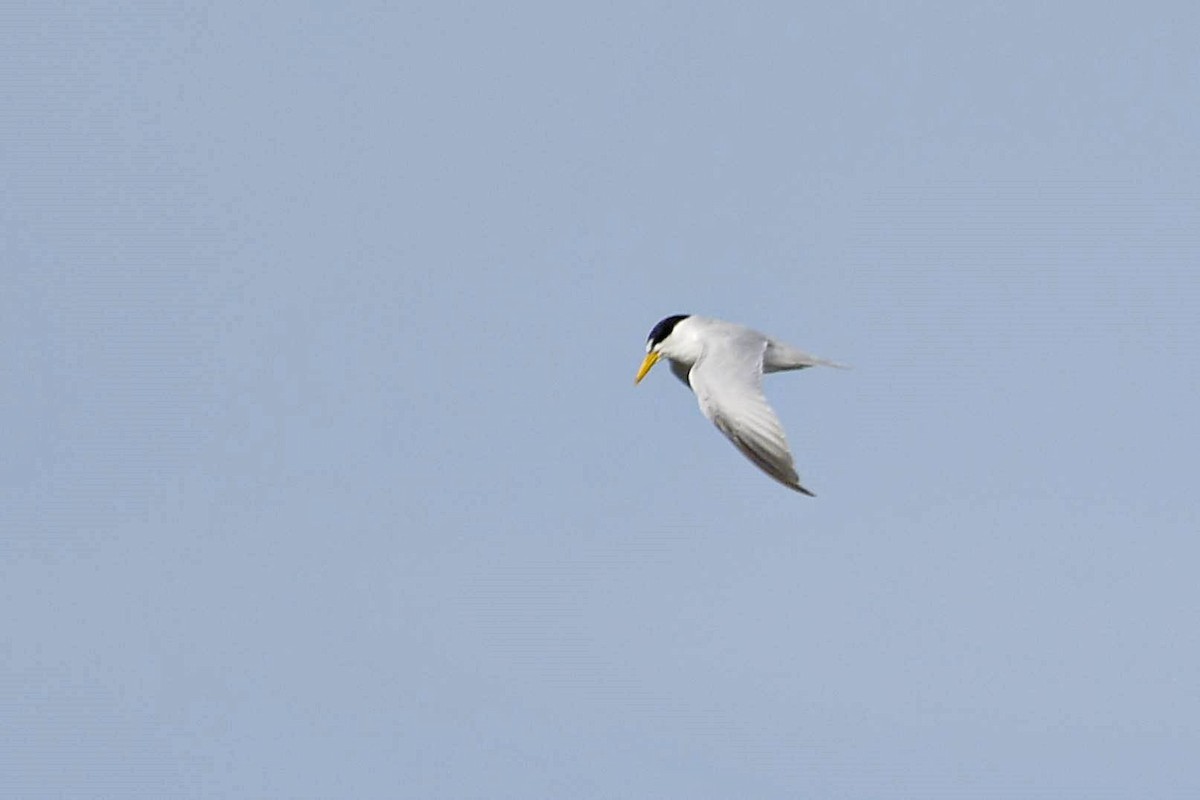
x=649, y=361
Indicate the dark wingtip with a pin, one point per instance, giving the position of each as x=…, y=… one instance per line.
x=802, y=490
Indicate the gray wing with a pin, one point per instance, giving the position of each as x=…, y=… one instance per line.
x=727, y=381
x=681, y=371
x=780, y=357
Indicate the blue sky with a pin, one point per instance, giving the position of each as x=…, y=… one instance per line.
x=324, y=472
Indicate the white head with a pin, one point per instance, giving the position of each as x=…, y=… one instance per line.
x=669, y=338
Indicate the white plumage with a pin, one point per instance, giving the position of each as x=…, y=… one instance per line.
x=723, y=363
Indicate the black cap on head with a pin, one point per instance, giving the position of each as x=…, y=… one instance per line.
x=663, y=329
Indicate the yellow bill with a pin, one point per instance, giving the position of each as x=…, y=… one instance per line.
x=649, y=361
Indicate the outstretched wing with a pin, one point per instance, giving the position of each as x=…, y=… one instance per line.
x=780, y=356
x=727, y=381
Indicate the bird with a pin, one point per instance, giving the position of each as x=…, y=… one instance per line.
x=723, y=364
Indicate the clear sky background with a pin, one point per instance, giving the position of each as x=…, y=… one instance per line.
x=324, y=475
